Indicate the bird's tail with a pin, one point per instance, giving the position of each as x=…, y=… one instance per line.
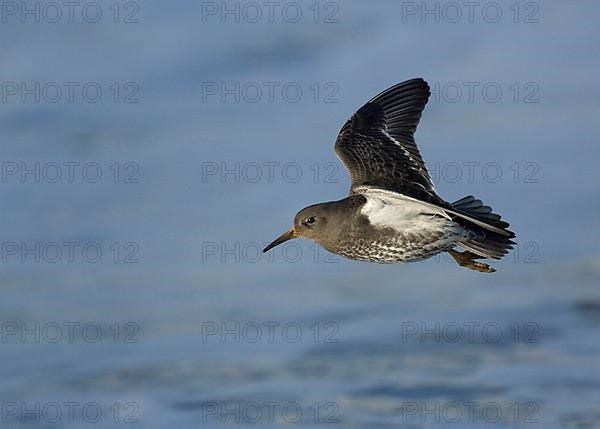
x=492, y=239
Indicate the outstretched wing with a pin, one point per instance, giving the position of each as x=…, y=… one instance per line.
x=377, y=145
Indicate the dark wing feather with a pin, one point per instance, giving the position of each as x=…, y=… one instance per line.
x=377, y=145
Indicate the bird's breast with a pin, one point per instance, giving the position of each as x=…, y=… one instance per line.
x=397, y=248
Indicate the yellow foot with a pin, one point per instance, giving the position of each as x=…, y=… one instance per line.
x=466, y=259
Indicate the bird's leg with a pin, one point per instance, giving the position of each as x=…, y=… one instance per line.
x=466, y=259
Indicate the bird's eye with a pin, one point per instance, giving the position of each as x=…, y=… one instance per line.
x=309, y=220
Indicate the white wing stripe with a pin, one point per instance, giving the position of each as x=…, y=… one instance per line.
x=398, y=199
x=416, y=165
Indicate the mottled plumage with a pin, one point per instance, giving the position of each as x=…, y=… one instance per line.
x=393, y=213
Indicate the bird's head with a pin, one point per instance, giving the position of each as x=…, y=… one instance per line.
x=311, y=222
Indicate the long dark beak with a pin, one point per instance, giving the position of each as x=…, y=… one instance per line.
x=288, y=235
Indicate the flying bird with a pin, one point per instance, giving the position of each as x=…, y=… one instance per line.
x=393, y=213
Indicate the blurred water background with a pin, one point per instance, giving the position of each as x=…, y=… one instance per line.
x=170, y=323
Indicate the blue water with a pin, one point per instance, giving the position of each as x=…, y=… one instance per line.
x=180, y=322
